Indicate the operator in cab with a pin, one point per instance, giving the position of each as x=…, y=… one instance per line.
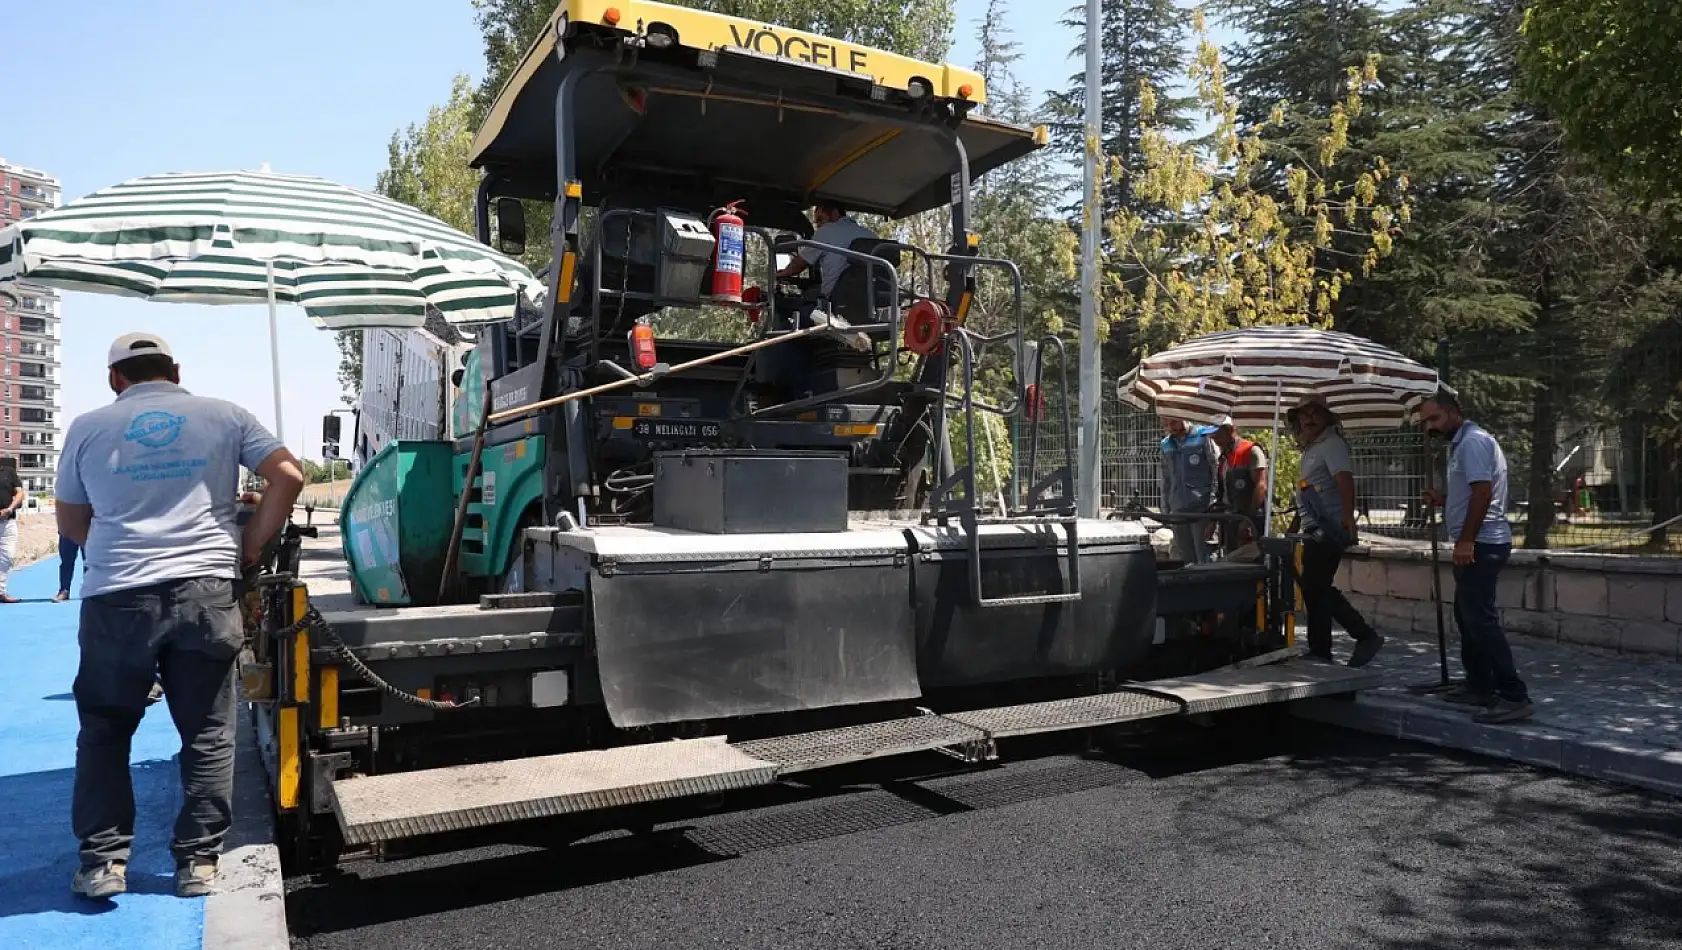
x=837, y=228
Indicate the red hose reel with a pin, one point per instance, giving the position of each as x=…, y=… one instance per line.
x=926, y=324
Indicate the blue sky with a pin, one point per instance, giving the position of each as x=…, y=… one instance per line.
x=101, y=92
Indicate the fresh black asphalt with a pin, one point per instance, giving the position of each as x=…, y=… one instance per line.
x=1262, y=833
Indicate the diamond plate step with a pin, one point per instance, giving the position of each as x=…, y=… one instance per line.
x=404, y=804
x=1080, y=712
x=848, y=744
x=1261, y=685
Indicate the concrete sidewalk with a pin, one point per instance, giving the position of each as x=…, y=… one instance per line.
x=1599, y=715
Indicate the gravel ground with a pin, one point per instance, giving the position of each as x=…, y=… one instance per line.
x=38, y=538
x=1280, y=834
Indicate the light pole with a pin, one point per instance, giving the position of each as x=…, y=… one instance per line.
x=1086, y=483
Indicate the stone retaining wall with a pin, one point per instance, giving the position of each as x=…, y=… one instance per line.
x=1629, y=604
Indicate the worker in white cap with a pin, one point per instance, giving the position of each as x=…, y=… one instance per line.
x=146, y=487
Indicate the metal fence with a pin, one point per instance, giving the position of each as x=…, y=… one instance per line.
x=1602, y=489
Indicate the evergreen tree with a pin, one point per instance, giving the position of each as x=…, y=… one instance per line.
x=1143, y=44
x=1440, y=123
x=1574, y=251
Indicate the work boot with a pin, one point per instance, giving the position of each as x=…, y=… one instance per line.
x=156, y=694
x=1503, y=711
x=61, y=597
x=1466, y=696
x=101, y=883
x=196, y=878
x=1365, y=650
x=1319, y=657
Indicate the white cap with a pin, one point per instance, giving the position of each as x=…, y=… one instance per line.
x=1222, y=422
x=130, y=345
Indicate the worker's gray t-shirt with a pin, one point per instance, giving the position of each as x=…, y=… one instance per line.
x=1475, y=456
x=1321, y=463
x=841, y=232
x=160, y=467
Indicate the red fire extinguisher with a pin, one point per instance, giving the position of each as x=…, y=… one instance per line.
x=729, y=254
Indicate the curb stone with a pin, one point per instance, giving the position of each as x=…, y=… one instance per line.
x=1653, y=769
x=248, y=909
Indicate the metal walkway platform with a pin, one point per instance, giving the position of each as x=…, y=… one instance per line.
x=406, y=804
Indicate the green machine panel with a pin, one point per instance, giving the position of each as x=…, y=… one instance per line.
x=396, y=523
x=508, y=496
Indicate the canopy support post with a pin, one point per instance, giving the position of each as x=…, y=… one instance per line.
x=274, y=353
x=1267, y=504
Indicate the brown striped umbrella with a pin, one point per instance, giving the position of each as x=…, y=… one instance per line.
x=1255, y=374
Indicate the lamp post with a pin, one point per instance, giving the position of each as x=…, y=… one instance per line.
x=1086, y=482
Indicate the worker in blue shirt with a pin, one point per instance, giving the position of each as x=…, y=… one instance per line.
x=1475, y=515
x=1189, y=457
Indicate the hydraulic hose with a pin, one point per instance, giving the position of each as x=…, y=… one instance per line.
x=313, y=620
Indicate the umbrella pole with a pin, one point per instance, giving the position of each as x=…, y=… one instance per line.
x=1443, y=684
x=1267, y=504
x=274, y=354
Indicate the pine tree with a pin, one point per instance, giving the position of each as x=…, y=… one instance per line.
x=1143, y=43
x=1573, y=250
x=1440, y=123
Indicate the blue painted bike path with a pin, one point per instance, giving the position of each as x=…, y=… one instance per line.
x=37, y=765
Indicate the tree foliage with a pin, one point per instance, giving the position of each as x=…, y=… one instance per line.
x=426, y=168
x=1142, y=45
x=1609, y=70
x=1246, y=257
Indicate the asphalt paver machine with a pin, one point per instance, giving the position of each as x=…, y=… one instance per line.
x=648, y=568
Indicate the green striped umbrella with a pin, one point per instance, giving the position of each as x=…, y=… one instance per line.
x=349, y=258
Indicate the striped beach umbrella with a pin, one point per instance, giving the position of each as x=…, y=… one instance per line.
x=1254, y=374
x=349, y=258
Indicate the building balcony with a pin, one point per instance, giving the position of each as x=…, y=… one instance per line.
x=37, y=329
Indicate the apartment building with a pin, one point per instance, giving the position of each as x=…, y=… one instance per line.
x=30, y=370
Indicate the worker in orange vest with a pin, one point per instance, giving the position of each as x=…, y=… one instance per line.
x=1243, y=482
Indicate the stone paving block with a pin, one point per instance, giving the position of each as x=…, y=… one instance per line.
x=1448, y=586
x=1392, y=614
x=1366, y=576
x=1673, y=604
x=1511, y=587
x=1638, y=598
x=1365, y=604
x=1591, y=631
x=1409, y=581
x=1580, y=594
x=1425, y=621
x=1657, y=638
x=1533, y=623
x=1539, y=589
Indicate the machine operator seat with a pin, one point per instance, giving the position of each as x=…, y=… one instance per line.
x=861, y=292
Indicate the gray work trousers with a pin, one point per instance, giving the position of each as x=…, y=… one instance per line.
x=188, y=633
